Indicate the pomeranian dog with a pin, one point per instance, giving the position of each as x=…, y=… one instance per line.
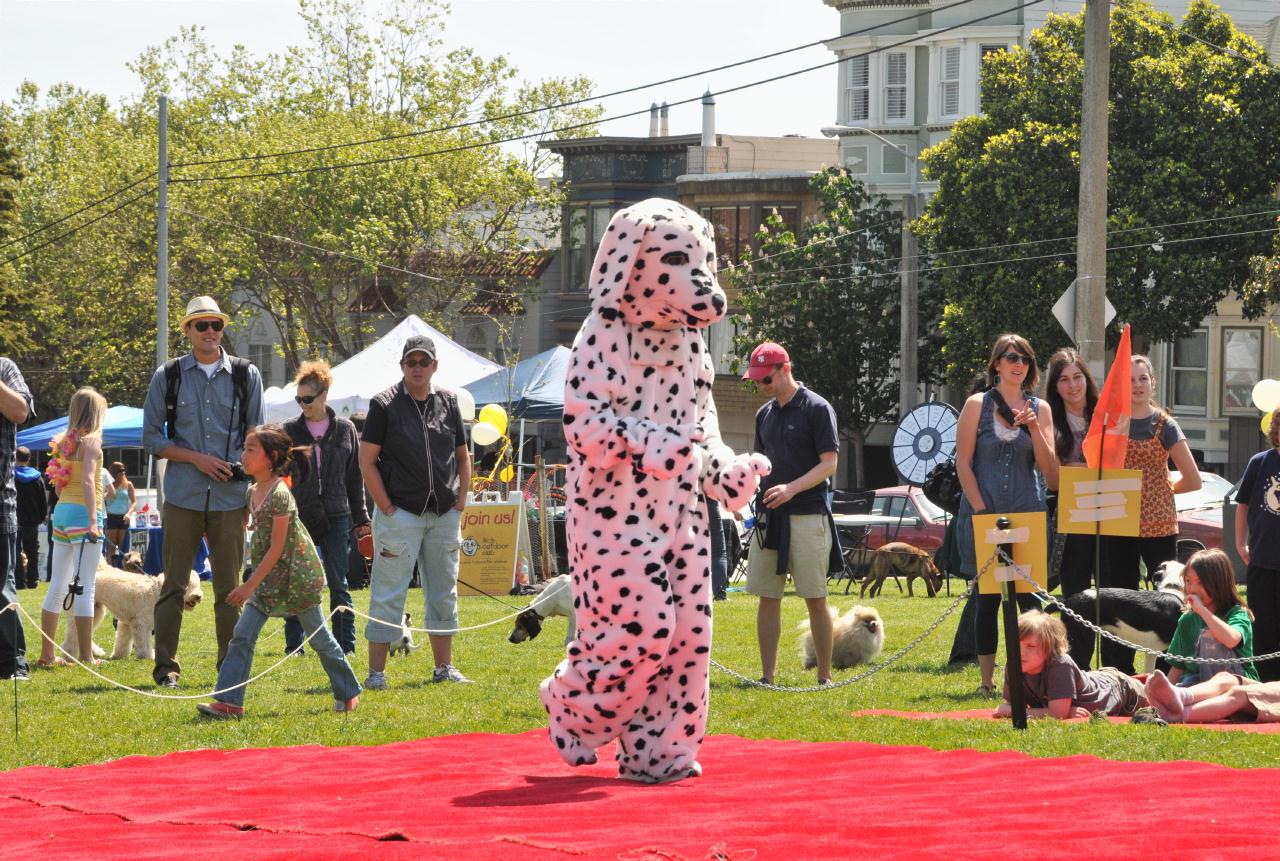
x=857, y=638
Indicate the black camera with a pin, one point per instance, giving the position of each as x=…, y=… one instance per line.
x=238, y=473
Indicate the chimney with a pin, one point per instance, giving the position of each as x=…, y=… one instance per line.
x=708, y=120
x=653, y=120
x=663, y=130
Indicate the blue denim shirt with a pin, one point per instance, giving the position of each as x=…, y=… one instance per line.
x=205, y=423
x=1007, y=479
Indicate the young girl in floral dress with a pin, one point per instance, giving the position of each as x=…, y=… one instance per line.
x=287, y=580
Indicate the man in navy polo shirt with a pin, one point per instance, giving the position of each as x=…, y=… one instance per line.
x=796, y=430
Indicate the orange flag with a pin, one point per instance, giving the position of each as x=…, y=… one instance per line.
x=1107, y=441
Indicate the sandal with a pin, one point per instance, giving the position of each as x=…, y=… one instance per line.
x=987, y=691
x=55, y=661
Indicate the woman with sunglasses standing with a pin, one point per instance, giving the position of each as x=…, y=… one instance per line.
x=329, y=492
x=1003, y=437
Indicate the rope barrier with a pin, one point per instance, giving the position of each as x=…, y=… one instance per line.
x=19, y=609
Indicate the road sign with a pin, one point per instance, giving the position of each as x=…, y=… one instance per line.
x=1065, y=311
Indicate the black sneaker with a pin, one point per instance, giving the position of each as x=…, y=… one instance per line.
x=1148, y=715
x=19, y=676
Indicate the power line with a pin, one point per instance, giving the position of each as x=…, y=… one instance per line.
x=86, y=207
x=571, y=103
x=80, y=227
x=577, y=126
x=1022, y=244
x=894, y=273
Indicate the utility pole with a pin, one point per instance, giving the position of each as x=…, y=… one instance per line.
x=1091, y=245
x=908, y=359
x=162, y=256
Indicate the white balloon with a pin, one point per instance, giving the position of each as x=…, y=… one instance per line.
x=271, y=392
x=466, y=405
x=483, y=433
x=1266, y=395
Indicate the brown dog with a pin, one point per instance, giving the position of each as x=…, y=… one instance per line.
x=900, y=559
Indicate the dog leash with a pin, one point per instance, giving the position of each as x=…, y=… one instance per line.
x=75, y=589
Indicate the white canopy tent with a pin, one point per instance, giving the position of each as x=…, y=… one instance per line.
x=377, y=367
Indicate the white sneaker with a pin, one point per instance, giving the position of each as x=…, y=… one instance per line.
x=449, y=673
x=377, y=681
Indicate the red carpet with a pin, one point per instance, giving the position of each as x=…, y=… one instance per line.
x=494, y=796
x=985, y=714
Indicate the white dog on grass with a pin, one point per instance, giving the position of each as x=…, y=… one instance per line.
x=131, y=598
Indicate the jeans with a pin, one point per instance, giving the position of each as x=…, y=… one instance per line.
x=30, y=538
x=333, y=553
x=238, y=664
x=400, y=541
x=13, y=641
x=719, y=558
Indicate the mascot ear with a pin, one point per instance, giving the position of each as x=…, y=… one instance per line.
x=615, y=259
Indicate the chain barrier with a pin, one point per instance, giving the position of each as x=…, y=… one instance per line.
x=870, y=671
x=1046, y=598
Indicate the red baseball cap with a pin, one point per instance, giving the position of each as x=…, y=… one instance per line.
x=764, y=359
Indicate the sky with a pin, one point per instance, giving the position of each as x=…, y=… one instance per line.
x=617, y=43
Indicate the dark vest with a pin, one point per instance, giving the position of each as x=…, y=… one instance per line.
x=418, y=461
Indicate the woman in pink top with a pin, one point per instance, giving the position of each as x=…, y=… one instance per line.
x=329, y=494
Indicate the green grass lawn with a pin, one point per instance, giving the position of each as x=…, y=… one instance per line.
x=67, y=717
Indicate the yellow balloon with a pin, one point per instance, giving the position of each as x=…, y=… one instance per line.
x=507, y=473
x=1266, y=423
x=483, y=433
x=496, y=416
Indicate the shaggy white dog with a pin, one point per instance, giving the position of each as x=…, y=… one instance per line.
x=131, y=598
x=857, y=638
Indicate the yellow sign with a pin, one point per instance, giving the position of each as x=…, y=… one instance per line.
x=1109, y=505
x=491, y=537
x=1028, y=535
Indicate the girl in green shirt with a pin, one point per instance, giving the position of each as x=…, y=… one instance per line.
x=1216, y=624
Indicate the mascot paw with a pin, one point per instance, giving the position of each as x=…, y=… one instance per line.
x=664, y=451
x=737, y=482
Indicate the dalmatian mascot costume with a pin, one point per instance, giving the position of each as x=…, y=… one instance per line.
x=646, y=446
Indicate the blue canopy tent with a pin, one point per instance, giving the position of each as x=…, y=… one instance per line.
x=532, y=390
x=121, y=429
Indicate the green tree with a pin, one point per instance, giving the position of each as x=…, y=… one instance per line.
x=263, y=243
x=831, y=297
x=15, y=338
x=1192, y=138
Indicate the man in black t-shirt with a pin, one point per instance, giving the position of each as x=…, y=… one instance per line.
x=417, y=470
x=796, y=429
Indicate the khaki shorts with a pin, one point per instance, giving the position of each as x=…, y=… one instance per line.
x=1265, y=697
x=1132, y=693
x=807, y=560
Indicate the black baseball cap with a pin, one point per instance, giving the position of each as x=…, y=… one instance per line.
x=419, y=344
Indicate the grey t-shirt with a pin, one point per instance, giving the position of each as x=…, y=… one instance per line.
x=1061, y=679
x=1170, y=435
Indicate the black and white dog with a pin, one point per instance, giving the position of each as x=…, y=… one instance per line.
x=1145, y=617
x=555, y=600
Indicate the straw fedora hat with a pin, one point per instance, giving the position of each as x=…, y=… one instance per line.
x=202, y=306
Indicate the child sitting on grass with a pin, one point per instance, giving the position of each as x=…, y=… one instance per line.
x=1225, y=696
x=1054, y=686
x=287, y=580
x=1216, y=622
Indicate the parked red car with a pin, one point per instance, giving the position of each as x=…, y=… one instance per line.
x=916, y=520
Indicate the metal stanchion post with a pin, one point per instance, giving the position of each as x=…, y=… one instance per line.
x=1012, y=647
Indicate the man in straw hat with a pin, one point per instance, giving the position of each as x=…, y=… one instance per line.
x=196, y=414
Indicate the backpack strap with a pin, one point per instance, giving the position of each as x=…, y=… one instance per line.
x=240, y=380
x=172, y=381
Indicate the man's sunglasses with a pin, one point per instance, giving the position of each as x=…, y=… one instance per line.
x=1018, y=357
x=206, y=325
x=768, y=381
x=418, y=363
x=308, y=400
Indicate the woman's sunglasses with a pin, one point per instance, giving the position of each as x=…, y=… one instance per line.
x=308, y=400
x=206, y=325
x=1018, y=357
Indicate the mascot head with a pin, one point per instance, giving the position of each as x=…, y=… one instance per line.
x=656, y=268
